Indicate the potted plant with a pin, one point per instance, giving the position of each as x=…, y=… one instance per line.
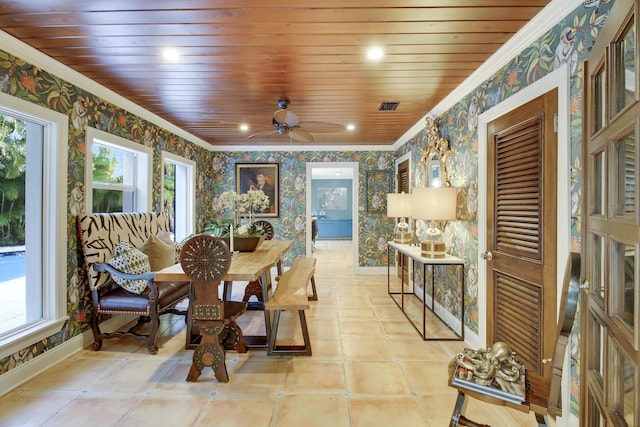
x=247, y=235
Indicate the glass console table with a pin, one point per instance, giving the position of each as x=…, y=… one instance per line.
x=413, y=299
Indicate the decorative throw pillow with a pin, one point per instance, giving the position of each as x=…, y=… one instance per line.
x=166, y=237
x=130, y=260
x=160, y=254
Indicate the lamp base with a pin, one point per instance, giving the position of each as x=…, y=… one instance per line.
x=401, y=233
x=402, y=237
x=433, y=249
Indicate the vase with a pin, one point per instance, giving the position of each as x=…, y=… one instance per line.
x=245, y=243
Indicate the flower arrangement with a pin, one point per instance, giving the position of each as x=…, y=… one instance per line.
x=245, y=204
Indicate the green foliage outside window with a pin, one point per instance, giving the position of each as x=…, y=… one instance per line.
x=106, y=170
x=13, y=168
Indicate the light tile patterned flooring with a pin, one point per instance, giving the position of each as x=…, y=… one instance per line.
x=369, y=368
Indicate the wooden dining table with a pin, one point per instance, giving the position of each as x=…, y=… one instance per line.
x=245, y=266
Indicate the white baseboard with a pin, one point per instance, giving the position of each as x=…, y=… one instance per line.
x=23, y=373
x=371, y=270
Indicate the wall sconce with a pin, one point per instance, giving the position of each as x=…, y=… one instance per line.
x=399, y=206
x=433, y=204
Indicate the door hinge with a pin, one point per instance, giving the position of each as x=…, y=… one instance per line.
x=555, y=123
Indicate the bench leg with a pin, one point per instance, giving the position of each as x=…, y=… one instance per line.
x=292, y=350
x=314, y=294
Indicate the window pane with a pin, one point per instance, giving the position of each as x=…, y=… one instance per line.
x=599, y=183
x=597, y=266
x=169, y=194
x=596, y=352
x=623, y=280
x=596, y=418
x=623, y=389
x=108, y=164
x=107, y=200
x=625, y=176
x=625, y=66
x=21, y=183
x=599, y=106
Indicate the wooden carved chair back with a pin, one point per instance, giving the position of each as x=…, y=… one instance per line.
x=206, y=259
x=267, y=228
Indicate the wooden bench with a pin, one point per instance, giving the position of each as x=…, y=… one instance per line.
x=291, y=294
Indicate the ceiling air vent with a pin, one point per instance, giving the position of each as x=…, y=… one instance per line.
x=388, y=106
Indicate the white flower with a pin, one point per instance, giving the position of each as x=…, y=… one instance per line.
x=250, y=202
x=243, y=229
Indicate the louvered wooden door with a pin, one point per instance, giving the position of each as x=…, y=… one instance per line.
x=521, y=230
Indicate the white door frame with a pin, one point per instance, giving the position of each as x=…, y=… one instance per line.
x=557, y=79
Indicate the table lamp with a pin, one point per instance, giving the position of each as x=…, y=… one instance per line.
x=433, y=204
x=399, y=206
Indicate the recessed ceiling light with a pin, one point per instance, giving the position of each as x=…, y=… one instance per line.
x=244, y=127
x=351, y=126
x=171, y=54
x=375, y=53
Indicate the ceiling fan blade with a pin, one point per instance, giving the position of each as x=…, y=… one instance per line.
x=302, y=135
x=285, y=117
x=320, y=127
x=264, y=132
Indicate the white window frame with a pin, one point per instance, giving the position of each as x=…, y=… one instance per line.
x=142, y=180
x=54, y=224
x=185, y=182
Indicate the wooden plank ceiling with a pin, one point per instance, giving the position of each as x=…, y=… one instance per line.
x=238, y=57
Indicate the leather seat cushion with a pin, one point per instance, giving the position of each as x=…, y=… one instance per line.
x=119, y=299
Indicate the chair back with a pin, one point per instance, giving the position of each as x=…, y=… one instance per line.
x=566, y=317
x=267, y=228
x=205, y=258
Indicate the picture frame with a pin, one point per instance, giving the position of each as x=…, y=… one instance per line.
x=378, y=185
x=332, y=198
x=261, y=176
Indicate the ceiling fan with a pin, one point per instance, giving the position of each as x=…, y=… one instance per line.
x=285, y=122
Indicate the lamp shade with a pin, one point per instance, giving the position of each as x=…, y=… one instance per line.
x=399, y=205
x=434, y=203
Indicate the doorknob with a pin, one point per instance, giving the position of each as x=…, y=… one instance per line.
x=486, y=255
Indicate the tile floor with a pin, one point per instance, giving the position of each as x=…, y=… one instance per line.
x=369, y=368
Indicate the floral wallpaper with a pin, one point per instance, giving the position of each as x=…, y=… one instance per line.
x=375, y=229
x=215, y=174
x=568, y=42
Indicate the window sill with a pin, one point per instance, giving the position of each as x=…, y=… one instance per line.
x=29, y=335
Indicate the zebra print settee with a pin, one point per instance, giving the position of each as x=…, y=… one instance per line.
x=101, y=236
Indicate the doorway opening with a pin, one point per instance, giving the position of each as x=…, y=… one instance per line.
x=335, y=205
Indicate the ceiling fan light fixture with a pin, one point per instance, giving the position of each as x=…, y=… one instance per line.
x=351, y=126
x=244, y=127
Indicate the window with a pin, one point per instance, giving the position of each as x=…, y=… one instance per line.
x=178, y=186
x=118, y=173
x=33, y=306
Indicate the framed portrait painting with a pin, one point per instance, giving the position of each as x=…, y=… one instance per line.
x=261, y=176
